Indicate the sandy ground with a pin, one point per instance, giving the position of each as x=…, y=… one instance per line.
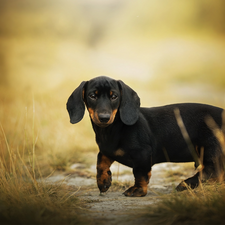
x=113, y=207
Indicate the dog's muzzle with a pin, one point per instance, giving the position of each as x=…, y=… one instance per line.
x=104, y=117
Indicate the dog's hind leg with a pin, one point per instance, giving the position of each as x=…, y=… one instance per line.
x=213, y=168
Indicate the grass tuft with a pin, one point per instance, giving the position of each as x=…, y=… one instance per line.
x=205, y=205
x=120, y=186
x=24, y=200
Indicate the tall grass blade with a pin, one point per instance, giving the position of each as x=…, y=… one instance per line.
x=186, y=137
x=11, y=166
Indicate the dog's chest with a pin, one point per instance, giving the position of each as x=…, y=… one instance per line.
x=112, y=149
x=107, y=144
x=108, y=139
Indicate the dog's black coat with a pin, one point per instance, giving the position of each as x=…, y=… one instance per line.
x=141, y=137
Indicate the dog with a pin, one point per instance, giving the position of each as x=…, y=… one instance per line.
x=141, y=137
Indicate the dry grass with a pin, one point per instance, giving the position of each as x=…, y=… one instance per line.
x=204, y=205
x=24, y=200
x=120, y=186
x=31, y=122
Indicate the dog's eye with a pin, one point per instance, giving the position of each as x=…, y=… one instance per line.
x=114, y=97
x=93, y=96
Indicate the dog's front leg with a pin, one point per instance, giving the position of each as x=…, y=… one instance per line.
x=140, y=187
x=104, y=175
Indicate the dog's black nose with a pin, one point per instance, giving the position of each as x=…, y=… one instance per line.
x=104, y=117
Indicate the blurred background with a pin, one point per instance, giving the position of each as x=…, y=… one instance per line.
x=167, y=51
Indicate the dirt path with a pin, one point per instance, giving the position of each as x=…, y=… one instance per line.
x=113, y=207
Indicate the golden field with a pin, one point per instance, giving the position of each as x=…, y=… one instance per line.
x=167, y=52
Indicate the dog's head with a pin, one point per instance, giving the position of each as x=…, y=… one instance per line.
x=104, y=97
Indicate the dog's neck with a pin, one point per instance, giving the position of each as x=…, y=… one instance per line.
x=109, y=134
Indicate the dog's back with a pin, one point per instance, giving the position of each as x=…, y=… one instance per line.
x=170, y=140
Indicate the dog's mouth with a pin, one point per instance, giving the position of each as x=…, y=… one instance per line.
x=102, y=125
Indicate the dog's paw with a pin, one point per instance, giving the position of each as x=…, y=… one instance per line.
x=184, y=185
x=104, y=181
x=135, y=192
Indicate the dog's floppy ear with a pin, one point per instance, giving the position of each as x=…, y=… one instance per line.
x=130, y=104
x=75, y=104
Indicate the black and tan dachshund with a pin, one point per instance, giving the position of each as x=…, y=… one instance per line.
x=141, y=137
